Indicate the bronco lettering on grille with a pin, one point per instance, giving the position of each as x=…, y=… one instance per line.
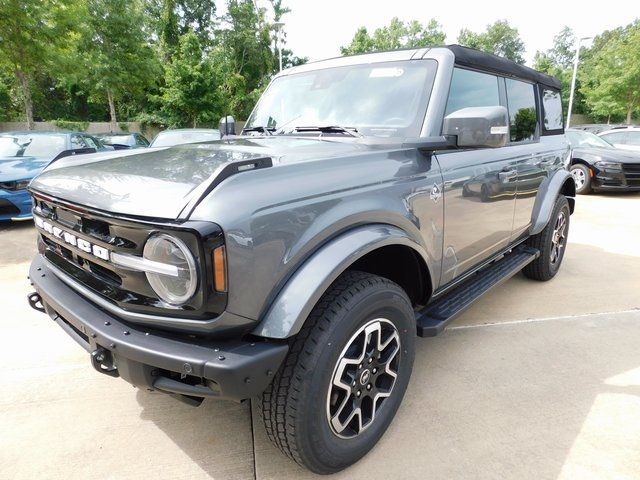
x=71, y=239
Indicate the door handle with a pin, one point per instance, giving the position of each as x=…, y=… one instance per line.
x=507, y=175
x=546, y=163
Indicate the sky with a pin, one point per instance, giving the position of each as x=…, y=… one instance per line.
x=317, y=29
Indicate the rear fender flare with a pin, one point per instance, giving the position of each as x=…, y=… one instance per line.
x=560, y=182
x=296, y=299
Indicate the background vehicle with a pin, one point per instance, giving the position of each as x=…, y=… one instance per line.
x=24, y=154
x=597, y=165
x=182, y=136
x=626, y=138
x=596, y=128
x=123, y=140
x=298, y=265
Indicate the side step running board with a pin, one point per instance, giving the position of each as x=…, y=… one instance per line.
x=434, y=317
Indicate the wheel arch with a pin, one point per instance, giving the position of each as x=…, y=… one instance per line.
x=561, y=182
x=379, y=249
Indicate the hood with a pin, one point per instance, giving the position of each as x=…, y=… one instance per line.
x=610, y=154
x=160, y=182
x=20, y=168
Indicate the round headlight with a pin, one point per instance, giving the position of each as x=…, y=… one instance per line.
x=176, y=285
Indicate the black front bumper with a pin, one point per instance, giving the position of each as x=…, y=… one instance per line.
x=626, y=179
x=230, y=369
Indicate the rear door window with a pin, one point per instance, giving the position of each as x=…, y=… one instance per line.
x=523, y=117
x=618, y=137
x=472, y=89
x=552, y=108
x=633, y=138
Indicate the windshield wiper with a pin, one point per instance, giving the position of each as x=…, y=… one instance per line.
x=351, y=131
x=259, y=128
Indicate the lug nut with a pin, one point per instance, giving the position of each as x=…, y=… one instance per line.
x=369, y=387
x=370, y=360
x=375, y=370
x=360, y=366
x=353, y=384
x=358, y=393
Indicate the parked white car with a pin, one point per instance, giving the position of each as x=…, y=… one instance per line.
x=626, y=138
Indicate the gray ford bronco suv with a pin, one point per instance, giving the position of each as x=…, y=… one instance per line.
x=369, y=200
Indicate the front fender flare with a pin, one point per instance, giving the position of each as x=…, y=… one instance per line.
x=294, y=302
x=560, y=182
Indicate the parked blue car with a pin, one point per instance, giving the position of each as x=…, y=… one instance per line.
x=23, y=155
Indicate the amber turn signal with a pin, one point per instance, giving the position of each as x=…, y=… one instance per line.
x=220, y=269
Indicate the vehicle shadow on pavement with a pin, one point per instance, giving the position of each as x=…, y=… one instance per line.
x=216, y=435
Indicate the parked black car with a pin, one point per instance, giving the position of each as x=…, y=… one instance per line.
x=122, y=141
x=596, y=128
x=597, y=165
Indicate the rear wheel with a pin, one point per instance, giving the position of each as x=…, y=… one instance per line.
x=551, y=242
x=345, y=375
x=582, y=177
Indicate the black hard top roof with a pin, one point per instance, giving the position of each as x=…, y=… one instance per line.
x=470, y=57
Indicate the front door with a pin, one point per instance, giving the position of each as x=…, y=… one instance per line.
x=479, y=184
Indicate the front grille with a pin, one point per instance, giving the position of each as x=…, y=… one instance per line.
x=632, y=174
x=8, y=208
x=128, y=289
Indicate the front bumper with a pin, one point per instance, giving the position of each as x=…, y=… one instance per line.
x=15, y=205
x=626, y=178
x=170, y=363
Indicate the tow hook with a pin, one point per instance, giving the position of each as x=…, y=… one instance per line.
x=102, y=361
x=35, y=301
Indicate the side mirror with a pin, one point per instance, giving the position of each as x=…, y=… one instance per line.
x=227, y=126
x=478, y=126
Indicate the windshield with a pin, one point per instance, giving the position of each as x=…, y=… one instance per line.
x=25, y=145
x=586, y=139
x=169, y=138
x=382, y=99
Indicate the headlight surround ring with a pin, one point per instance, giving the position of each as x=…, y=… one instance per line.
x=167, y=249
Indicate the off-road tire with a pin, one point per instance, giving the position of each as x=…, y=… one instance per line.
x=294, y=408
x=543, y=268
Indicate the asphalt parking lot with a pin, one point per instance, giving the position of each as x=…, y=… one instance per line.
x=535, y=381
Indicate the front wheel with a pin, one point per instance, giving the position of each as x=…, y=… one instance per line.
x=581, y=177
x=345, y=375
x=551, y=242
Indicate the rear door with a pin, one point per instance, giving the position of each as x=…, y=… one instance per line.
x=536, y=127
x=479, y=184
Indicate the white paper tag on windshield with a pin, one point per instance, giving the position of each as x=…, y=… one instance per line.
x=386, y=72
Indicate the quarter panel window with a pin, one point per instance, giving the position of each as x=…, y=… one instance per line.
x=552, y=107
x=472, y=89
x=523, y=118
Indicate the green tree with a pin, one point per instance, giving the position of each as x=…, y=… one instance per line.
x=500, y=38
x=113, y=54
x=30, y=33
x=247, y=55
x=397, y=34
x=558, y=62
x=610, y=77
x=192, y=85
x=170, y=19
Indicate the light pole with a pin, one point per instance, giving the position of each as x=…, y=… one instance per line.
x=279, y=26
x=573, y=78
